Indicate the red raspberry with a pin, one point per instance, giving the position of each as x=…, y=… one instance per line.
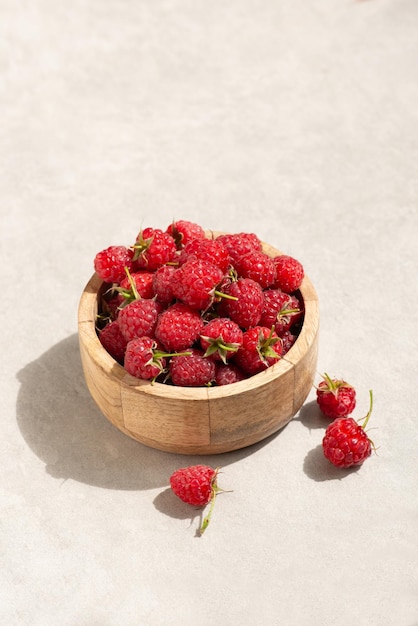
x=153, y=248
x=195, y=282
x=228, y=374
x=178, y=327
x=261, y=347
x=134, y=286
x=113, y=341
x=239, y=244
x=110, y=263
x=288, y=339
x=162, y=284
x=196, y=485
x=289, y=273
x=109, y=305
x=192, y=370
x=247, y=306
x=336, y=398
x=184, y=231
x=345, y=443
x=143, y=358
x=210, y=250
x=139, y=318
x=221, y=338
x=258, y=266
x=280, y=310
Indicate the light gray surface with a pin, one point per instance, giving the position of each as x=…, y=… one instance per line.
x=298, y=121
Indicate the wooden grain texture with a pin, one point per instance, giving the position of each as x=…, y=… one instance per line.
x=199, y=420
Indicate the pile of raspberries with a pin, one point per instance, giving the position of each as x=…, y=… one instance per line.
x=185, y=308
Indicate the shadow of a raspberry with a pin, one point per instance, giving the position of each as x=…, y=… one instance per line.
x=317, y=467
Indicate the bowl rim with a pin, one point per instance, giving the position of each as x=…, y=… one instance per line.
x=87, y=312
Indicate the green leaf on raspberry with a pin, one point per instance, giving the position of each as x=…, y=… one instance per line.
x=141, y=245
x=219, y=346
x=265, y=346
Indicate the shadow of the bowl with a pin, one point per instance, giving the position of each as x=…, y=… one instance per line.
x=63, y=426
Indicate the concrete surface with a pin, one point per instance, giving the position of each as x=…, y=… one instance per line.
x=295, y=120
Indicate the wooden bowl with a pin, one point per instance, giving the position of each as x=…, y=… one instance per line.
x=199, y=420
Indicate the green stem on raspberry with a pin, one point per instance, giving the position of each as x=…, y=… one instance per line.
x=132, y=284
x=285, y=312
x=207, y=517
x=215, y=491
x=367, y=417
x=157, y=354
x=221, y=294
x=331, y=385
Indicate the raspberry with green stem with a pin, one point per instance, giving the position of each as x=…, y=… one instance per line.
x=346, y=443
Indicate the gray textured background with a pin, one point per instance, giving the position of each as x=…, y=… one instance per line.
x=298, y=121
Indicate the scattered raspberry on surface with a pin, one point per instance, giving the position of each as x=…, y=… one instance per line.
x=346, y=443
x=197, y=485
x=194, y=485
x=335, y=397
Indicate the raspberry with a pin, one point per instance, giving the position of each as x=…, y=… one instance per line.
x=143, y=359
x=280, y=310
x=110, y=263
x=184, y=231
x=192, y=370
x=288, y=339
x=211, y=250
x=162, y=284
x=247, y=307
x=289, y=273
x=261, y=347
x=239, y=244
x=135, y=285
x=153, y=248
x=336, y=398
x=113, y=341
x=139, y=318
x=221, y=338
x=178, y=327
x=345, y=443
x=258, y=266
x=195, y=282
x=228, y=374
x=196, y=485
